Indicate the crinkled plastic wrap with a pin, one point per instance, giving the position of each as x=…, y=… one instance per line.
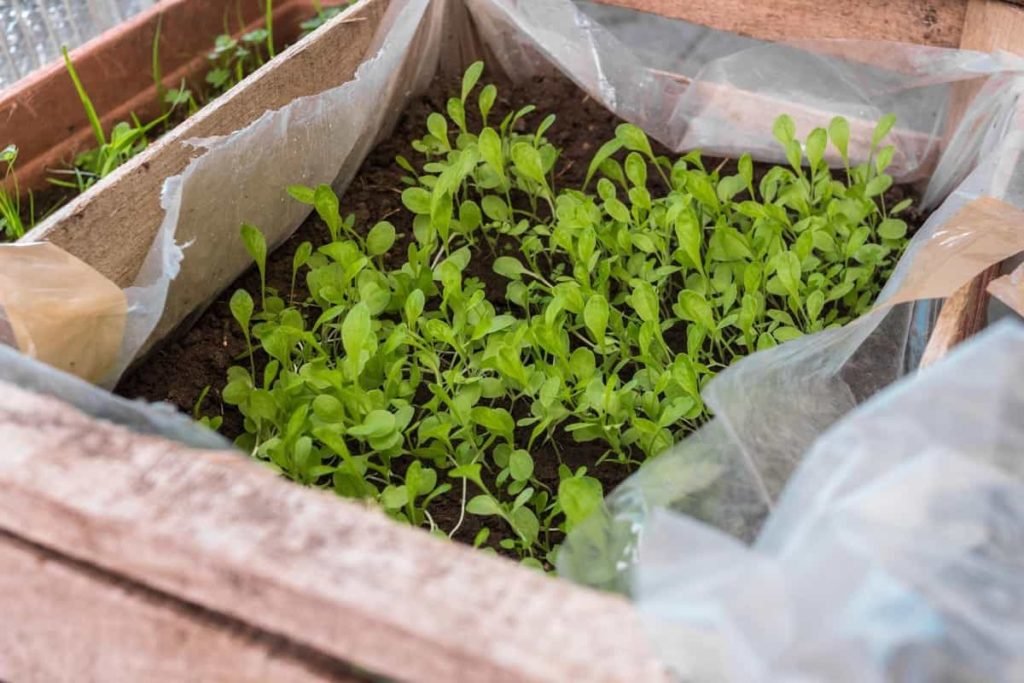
x=33, y=31
x=895, y=553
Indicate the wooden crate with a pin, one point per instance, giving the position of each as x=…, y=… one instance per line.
x=132, y=557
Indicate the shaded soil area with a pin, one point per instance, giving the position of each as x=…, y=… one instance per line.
x=181, y=369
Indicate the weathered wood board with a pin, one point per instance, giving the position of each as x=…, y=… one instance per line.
x=334, y=581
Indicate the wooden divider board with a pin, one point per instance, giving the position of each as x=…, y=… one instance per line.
x=184, y=552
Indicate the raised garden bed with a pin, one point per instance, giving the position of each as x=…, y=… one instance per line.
x=227, y=546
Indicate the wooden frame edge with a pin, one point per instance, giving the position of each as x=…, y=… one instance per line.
x=219, y=531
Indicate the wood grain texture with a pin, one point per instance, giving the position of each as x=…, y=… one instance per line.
x=988, y=25
x=926, y=22
x=63, y=622
x=219, y=531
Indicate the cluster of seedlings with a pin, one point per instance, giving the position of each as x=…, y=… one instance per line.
x=229, y=62
x=388, y=371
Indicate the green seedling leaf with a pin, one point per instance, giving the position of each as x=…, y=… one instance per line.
x=470, y=78
x=633, y=139
x=784, y=130
x=510, y=267
x=520, y=465
x=484, y=505
x=417, y=200
x=882, y=129
x=380, y=238
x=241, y=309
x=595, y=317
x=256, y=245
x=528, y=162
x=579, y=498
x=839, y=133
x=603, y=154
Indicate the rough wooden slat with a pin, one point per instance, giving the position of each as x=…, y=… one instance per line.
x=926, y=22
x=64, y=622
x=226, y=534
x=988, y=25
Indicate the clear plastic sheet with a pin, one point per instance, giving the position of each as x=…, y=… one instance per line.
x=895, y=553
x=33, y=31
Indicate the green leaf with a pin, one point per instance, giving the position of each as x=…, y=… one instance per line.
x=878, y=185
x=691, y=305
x=815, y=147
x=520, y=465
x=784, y=130
x=414, y=306
x=633, y=139
x=528, y=162
x=892, y=229
x=509, y=267
x=438, y=127
x=645, y=301
x=604, y=152
x=882, y=129
x=486, y=101
x=497, y=420
x=839, y=132
x=241, y=309
x=489, y=144
x=256, y=245
x=377, y=423
x=595, y=316
x=470, y=78
x=484, y=505
x=355, y=332
x=525, y=522
x=787, y=266
x=579, y=497
x=417, y=200
x=814, y=303
x=301, y=193
x=380, y=238
x=394, y=497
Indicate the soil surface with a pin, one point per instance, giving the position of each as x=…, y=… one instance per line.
x=182, y=368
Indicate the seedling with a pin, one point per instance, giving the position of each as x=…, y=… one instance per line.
x=401, y=383
x=11, y=224
x=125, y=141
x=322, y=16
x=233, y=59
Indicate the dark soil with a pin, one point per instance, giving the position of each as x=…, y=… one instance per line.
x=180, y=370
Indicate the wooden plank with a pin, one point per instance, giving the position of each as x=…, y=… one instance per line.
x=221, y=532
x=925, y=22
x=66, y=622
x=988, y=25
